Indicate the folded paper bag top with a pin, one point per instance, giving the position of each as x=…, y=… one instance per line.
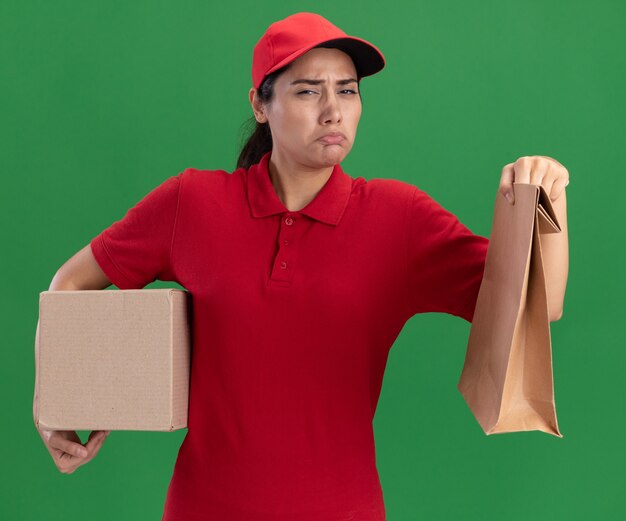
x=507, y=377
x=113, y=360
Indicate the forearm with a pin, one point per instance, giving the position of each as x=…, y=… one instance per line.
x=556, y=260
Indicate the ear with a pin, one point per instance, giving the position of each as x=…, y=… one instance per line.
x=257, y=106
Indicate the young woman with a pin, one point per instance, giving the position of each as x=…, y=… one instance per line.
x=302, y=277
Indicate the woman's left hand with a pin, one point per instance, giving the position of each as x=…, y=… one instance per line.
x=536, y=170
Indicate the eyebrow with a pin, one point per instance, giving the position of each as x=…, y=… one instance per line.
x=317, y=82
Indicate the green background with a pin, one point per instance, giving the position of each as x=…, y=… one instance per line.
x=102, y=101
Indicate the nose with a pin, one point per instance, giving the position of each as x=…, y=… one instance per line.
x=331, y=111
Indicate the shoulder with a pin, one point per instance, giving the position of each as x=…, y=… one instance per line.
x=194, y=177
x=416, y=201
x=386, y=190
x=217, y=184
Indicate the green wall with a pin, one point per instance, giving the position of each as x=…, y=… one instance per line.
x=102, y=101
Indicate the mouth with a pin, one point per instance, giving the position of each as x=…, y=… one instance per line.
x=332, y=139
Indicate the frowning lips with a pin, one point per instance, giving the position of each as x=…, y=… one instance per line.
x=333, y=137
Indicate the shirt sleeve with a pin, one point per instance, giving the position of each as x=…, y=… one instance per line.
x=136, y=250
x=445, y=260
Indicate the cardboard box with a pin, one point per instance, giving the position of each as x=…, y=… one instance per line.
x=113, y=360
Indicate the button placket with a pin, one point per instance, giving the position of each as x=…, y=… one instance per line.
x=282, y=269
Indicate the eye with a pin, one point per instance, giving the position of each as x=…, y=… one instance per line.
x=344, y=90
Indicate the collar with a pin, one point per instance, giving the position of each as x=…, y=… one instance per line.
x=328, y=205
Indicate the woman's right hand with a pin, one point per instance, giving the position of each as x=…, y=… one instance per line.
x=66, y=449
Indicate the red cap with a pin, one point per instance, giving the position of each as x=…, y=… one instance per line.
x=287, y=39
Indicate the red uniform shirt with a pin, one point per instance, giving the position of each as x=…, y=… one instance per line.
x=294, y=313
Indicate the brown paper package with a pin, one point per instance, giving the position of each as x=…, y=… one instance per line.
x=507, y=377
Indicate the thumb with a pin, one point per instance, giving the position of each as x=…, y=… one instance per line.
x=506, y=183
x=95, y=440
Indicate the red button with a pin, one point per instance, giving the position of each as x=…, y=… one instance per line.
x=289, y=221
x=286, y=242
x=283, y=265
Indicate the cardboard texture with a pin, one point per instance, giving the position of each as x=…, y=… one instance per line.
x=113, y=360
x=507, y=378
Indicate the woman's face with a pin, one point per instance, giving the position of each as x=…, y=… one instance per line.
x=303, y=112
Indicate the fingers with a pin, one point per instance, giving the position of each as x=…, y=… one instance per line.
x=57, y=440
x=548, y=186
x=95, y=441
x=558, y=187
x=506, y=182
x=69, y=455
x=538, y=170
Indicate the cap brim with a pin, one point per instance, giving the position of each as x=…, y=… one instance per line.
x=367, y=58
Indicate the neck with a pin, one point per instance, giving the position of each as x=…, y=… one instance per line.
x=295, y=184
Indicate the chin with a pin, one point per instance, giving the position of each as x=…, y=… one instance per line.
x=333, y=154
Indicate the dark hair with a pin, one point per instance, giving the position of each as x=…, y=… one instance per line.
x=260, y=140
